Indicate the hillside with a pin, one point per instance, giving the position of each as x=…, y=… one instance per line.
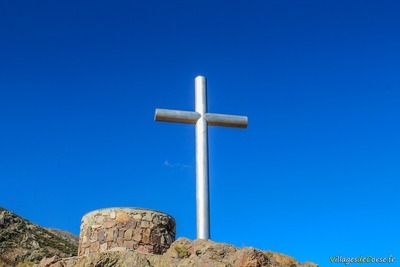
x=183, y=253
x=22, y=241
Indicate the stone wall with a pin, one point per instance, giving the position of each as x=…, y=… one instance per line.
x=131, y=228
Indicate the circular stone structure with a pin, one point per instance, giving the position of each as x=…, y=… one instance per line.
x=137, y=229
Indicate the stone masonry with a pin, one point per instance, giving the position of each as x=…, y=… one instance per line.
x=142, y=230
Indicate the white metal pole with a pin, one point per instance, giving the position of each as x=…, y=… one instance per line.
x=202, y=192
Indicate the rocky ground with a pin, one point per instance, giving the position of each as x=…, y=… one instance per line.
x=183, y=253
x=25, y=244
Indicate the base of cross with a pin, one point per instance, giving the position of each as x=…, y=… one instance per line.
x=143, y=230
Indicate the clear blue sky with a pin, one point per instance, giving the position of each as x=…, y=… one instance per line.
x=317, y=172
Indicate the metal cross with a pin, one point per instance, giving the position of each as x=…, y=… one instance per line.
x=202, y=119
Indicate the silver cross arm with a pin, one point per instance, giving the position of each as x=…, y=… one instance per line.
x=226, y=120
x=172, y=115
x=191, y=117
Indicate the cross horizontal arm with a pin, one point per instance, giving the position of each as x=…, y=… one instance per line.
x=171, y=115
x=226, y=120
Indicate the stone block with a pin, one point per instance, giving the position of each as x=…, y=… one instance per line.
x=103, y=247
x=137, y=217
x=147, y=217
x=142, y=249
x=101, y=237
x=137, y=236
x=95, y=246
x=113, y=214
x=145, y=224
x=109, y=224
x=120, y=241
x=146, y=236
x=121, y=233
x=122, y=217
x=128, y=234
x=99, y=219
x=110, y=234
x=129, y=244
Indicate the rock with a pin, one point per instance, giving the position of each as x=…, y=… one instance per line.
x=137, y=236
x=101, y=236
x=110, y=235
x=128, y=234
x=122, y=217
x=145, y=224
x=146, y=236
x=119, y=249
x=129, y=244
x=182, y=249
x=137, y=217
x=103, y=247
x=249, y=257
x=147, y=217
x=109, y=224
x=45, y=262
x=112, y=215
x=186, y=253
x=95, y=246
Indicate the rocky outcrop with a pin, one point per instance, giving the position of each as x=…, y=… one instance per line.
x=183, y=252
x=24, y=242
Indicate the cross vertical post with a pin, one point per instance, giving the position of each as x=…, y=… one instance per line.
x=202, y=191
x=202, y=120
